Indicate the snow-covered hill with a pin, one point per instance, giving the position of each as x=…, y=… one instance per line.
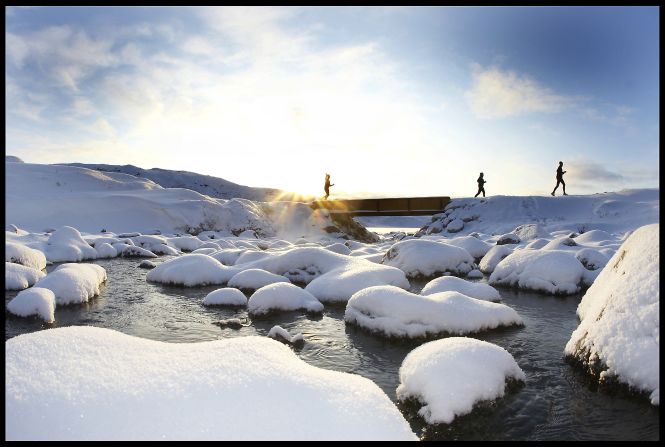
x=204, y=184
x=40, y=197
x=612, y=212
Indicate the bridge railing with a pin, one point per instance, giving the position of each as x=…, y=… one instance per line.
x=400, y=206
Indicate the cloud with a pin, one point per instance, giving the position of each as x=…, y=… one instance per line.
x=592, y=173
x=499, y=94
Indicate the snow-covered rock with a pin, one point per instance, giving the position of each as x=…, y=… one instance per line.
x=19, y=277
x=492, y=258
x=475, y=290
x=74, y=283
x=24, y=255
x=508, y=238
x=282, y=296
x=552, y=272
x=132, y=251
x=191, y=270
x=340, y=284
x=398, y=313
x=451, y=375
x=226, y=296
x=591, y=258
x=417, y=257
x=34, y=301
x=474, y=246
x=145, y=264
x=185, y=243
x=254, y=279
x=619, y=334
x=67, y=245
x=89, y=383
x=278, y=332
x=105, y=250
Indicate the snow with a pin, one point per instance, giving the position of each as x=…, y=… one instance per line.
x=127, y=251
x=532, y=217
x=254, y=279
x=474, y=246
x=620, y=316
x=155, y=244
x=19, y=277
x=34, y=301
x=592, y=259
x=145, y=264
x=21, y=254
x=551, y=272
x=492, y=258
x=476, y=290
x=74, y=283
x=398, y=313
x=451, y=375
x=87, y=383
x=185, y=243
x=278, y=332
x=338, y=285
x=51, y=196
x=416, y=257
x=12, y=159
x=282, y=296
x=191, y=270
x=67, y=245
x=226, y=296
x=105, y=250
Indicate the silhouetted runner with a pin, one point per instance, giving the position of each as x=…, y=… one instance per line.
x=559, y=178
x=481, y=185
x=327, y=186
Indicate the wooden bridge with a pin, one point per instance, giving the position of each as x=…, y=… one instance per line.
x=402, y=206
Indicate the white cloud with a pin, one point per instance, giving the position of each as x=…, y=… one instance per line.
x=499, y=94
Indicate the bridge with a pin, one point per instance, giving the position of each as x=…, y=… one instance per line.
x=401, y=206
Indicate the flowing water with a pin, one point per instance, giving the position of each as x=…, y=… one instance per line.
x=557, y=402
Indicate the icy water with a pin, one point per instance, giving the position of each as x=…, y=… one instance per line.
x=557, y=402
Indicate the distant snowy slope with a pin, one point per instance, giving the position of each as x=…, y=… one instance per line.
x=613, y=212
x=12, y=159
x=204, y=184
x=39, y=197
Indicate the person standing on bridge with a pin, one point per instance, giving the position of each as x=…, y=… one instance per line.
x=559, y=178
x=327, y=186
x=481, y=185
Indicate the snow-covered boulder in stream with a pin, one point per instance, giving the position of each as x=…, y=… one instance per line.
x=475, y=290
x=394, y=312
x=417, y=257
x=282, y=297
x=21, y=254
x=552, y=272
x=191, y=270
x=246, y=388
x=67, y=245
x=451, y=375
x=19, y=277
x=74, y=283
x=34, y=301
x=618, y=338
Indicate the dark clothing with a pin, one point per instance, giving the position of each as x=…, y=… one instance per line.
x=327, y=186
x=481, y=186
x=559, y=180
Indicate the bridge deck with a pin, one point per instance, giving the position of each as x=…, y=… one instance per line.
x=402, y=206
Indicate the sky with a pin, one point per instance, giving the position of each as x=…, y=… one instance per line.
x=390, y=101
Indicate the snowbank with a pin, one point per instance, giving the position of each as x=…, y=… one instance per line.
x=282, y=296
x=34, y=301
x=417, y=257
x=191, y=270
x=19, y=277
x=24, y=255
x=619, y=332
x=225, y=296
x=552, y=272
x=476, y=290
x=452, y=374
x=74, y=283
x=398, y=313
x=114, y=386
